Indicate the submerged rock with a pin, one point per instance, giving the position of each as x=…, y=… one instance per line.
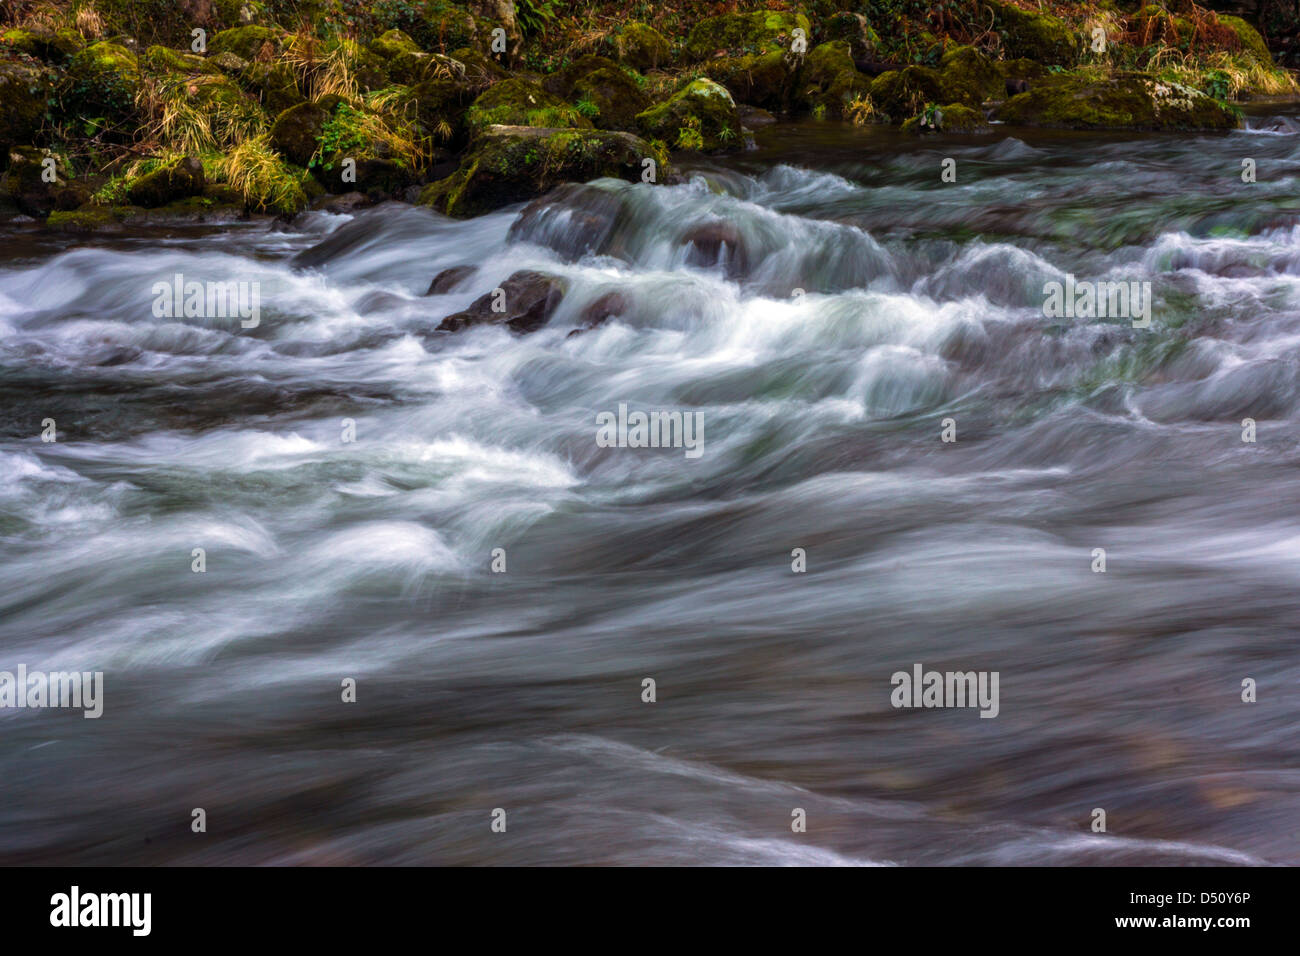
x=447, y=280
x=953, y=118
x=524, y=302
x=509, y=164
x=715, y=244
x=1120, y=101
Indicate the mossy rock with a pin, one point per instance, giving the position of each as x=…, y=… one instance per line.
x=510, y=164
x=274, y=84
x=953, y=118
x=969, y=77
x=701, y=116
x=1120, y=101
x=829, y=81
x=392, y=44
x=441, y=107
x=738, y=34
x=101, y=84
x=430, y=24
x=24, y=92
x=477, y=68
x=766, y=80
x=296, y=132
x=176, y=180
x=1036, y=36
x=900, y=94
x=854, y=30
x=1251, y=42
x=163, y=59
x=610, y=98
x=642, y=47
x=1021, y=69
x=92, y=218
x=516, y=102
x=251, y=42
x=44, y=43
x=24, y=183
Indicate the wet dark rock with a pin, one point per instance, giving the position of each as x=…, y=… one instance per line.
x=179, y=180
x=528, y=300
x=447, y=280
x=611, y=305
x=572, y=220
x=717, y=243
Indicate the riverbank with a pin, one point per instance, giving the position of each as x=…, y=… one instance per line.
x=119, y=115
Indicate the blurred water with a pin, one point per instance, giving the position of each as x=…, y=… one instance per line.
x=822, y=410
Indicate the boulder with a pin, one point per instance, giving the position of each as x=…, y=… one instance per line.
x=249, y=42
x=447, y=280
x=641, y=47
x=517, y=102
x=176, y=180
x=529, y=299
x=101, y=82
x=1036, y=36
x=42, y=42
x=901, y=94
x=830, y=82
x=25, y=185
x=296, y=132
x=509, y=164
x=24, y=92
x=953, y=118
x=1119, y=101
x=738, y=34
x=702, y=116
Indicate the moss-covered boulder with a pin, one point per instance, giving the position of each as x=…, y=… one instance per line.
x=737, y=34
x=438, y=25
x=1251, y=42
x=953, y=118
x=517, y=102
x=901, y=94
x=273, y=83
x=24, y=92
x=854, y=30
x=27, y=184
x=101, y=84
x=296, y=132
x=1036, y=36
x=765, y=80
x=393, y=44
x=601, y=91
x=642, y=47
x=1119, y=101
x=163, y=59
x=829, y=82
x=42, y=42
x=509, y=164
x=251, y=42
x=176, y=180
x=701, y=116
x=970, y=78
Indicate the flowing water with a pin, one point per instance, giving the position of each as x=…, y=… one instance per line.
x=823, y=411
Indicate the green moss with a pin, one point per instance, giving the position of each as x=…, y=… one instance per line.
x=953, y=118
x=970, y=77
x=702, y=106
x=1121, y=101
x=252, y=42
x=516, y=102
x=759, y=79
x=431, y=24
x=24, y=92
x=641, y=47
x=42, y=42
x=176, y=180
x=829, y=81
x=1251, y=42
x=1036, y=36
x=854, y=30
x=512, y=164
x=899, y=94
x=296, y=131
x=741, y=33
x=162, y=59
x=89, y=218
x=273, y=83
x=612, y=97
x=392, y=44
x=100, y=87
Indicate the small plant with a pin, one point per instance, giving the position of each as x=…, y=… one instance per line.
x=689, y=135
x=588, y=109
